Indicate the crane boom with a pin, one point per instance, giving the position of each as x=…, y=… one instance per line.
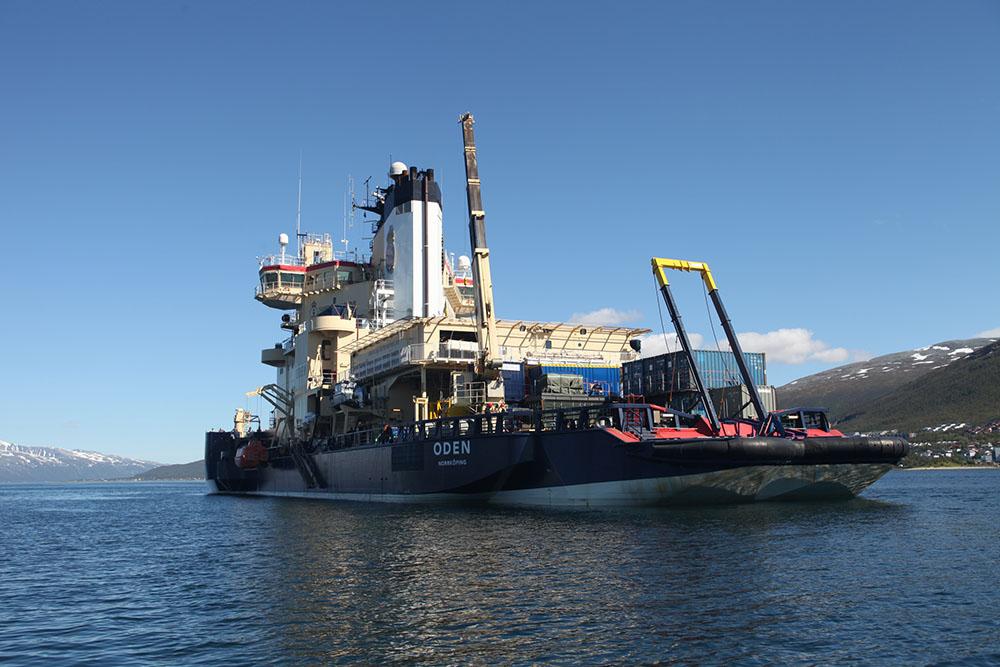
x=486, y=324
x=660, y=266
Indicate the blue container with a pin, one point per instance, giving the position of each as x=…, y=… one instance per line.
x=513, y=383
x=719, y=369
x=669, y=372
x=607, y=378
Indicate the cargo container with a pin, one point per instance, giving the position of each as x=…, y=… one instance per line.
x=596, y=378
x=734, y=401
x=560, y=383
x=685, y=401
x=669, y=373
x=514, y=389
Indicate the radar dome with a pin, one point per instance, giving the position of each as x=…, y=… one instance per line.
x=464, y=263
x=283, y=239
x=397, y=168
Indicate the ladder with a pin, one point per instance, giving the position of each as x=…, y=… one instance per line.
x=307, y=467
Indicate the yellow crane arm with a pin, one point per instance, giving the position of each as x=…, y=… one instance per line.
x=660, y=266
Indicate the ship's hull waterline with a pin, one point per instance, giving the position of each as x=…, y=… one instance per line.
x=742, y=485
x=586, y=469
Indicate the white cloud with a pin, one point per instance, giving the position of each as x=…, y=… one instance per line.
x=782, y=346
x=861, y=355
x=606, y=317
x=656, y=343
x=793, y=346
x=989, y=333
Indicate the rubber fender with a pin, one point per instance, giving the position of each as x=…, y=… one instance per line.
x=781, y=449
x=858, y=449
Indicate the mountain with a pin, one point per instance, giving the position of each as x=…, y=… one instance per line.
x=846, y=390
x=966, y=392
x=51, y=464
x=944, y=383
x=193, y=470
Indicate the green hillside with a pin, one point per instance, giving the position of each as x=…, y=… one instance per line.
x=967, y=390
x=847, y=391
x=193, y=470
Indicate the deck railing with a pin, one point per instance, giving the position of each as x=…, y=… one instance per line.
x=634, y=418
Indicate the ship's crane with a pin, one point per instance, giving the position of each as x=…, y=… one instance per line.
x=486, y=323
x=660, y=267
x=282, y=401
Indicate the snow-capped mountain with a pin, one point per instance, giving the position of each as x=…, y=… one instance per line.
x=51, y=464
x=850, y=390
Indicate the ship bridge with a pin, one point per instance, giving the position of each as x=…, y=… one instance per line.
x=281, y=283
x=286, y=280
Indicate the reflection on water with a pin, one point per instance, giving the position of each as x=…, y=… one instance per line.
x=170, y=574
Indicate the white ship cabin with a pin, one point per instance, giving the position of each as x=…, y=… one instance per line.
x=431, y=359
x=393, y=336
x=285, y=278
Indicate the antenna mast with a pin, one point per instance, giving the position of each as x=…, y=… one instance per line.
x=298, y=212
x=348, y=216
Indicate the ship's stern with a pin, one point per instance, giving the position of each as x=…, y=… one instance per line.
x=221, y=471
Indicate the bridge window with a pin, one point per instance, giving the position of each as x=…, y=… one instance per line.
x=448, y=334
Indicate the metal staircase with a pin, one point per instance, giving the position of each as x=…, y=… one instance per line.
x=306, y=465
x=284, y=405
x=463, y=306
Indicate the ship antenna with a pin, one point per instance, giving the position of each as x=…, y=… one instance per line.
x=298, y=212
x=348, y=216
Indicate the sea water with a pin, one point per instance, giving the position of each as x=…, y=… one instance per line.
x=161, y=573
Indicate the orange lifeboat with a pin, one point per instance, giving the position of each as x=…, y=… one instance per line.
x=251, y=455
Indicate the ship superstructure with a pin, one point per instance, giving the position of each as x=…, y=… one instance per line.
x=395, y=337
x=396, y=380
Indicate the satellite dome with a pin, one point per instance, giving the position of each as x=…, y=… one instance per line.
x=283, y=239
x=464, y=263
x=397, y=168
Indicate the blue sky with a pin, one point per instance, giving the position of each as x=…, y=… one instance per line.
x=837, y=163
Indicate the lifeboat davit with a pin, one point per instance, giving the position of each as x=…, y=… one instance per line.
x=251, y=455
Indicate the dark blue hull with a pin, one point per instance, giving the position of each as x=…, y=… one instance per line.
x=579, y=467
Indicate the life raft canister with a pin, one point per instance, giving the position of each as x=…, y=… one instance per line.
x=251, y=455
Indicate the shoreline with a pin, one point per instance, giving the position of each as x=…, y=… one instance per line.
x=990, y=467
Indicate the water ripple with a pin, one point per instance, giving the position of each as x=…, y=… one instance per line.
x=160, y=573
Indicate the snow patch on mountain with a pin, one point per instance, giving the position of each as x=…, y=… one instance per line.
x=923, y=358
x=853, y=389
x=19, y=463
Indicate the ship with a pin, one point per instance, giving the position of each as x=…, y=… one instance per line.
x=397, y=382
